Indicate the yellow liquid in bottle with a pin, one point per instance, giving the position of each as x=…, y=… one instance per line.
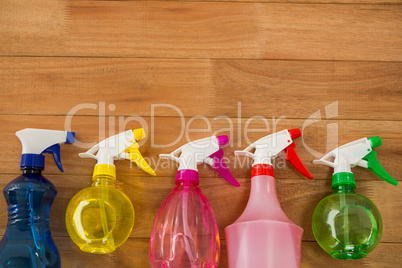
x=100, y=218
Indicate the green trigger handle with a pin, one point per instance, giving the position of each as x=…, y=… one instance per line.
x=376, y=167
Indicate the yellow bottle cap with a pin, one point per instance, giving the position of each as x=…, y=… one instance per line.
x=105, y=169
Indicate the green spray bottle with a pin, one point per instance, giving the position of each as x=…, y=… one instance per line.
x=346, y=225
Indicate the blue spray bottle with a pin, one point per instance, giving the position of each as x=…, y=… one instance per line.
x=27, y=241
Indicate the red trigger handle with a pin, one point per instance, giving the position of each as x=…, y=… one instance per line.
x=293, y=158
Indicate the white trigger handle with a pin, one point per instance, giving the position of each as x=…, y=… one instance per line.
x=170, y=156
x=245, y=153
x=323, y=162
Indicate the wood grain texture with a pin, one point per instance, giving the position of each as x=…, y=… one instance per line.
x=134, y=253
x=298, y=198
x=369, y=2
x=321, y=65
x=261, y=86
x=201, y=30
x=381, y=257
x=166, y=133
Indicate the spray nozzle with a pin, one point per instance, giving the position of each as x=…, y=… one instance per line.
x=207, y=150
x=118, y=147
x=375, y=141
x=270, y=146
x=294, y=133
x=223, y=140
x=36, y=142
x=356, y=153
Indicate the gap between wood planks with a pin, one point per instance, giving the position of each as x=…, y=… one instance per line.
x=188, y=58
x=207, y=117
x=289, y=2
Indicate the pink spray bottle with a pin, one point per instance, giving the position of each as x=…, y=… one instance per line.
x=185, y=233
x=263, y=236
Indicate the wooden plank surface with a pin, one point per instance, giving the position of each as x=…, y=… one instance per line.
x=166, y=130
x=136, y=255
x=368, y=2
x=298, y=198
x=262, y=87
x=201, y=30
x=320, y=65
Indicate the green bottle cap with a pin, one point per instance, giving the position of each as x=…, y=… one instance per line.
x=343, y=178
x=375, y=141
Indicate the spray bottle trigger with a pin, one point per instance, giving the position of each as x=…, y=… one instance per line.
x=55, y=151
x=293, y=158
x=375, y=166
x=245, y=153
x=219, y=165
x=135, y=156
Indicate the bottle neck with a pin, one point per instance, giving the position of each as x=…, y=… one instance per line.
x=343, y=182
x=31, y=170
x=187, y=177
x=263, y=203
x=103, y=180
x=262, y=169
x=187, y=183
x=346, y=188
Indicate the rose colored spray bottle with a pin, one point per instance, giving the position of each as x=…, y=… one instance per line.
x=185, y=233
x=263, y=236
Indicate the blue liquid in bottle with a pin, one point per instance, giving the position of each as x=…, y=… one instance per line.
x=27, y=241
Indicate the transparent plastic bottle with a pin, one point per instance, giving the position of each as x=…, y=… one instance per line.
x=263, y=236
x=28, y=241
x=185, y=232
x=347, y=225
x=100, y=218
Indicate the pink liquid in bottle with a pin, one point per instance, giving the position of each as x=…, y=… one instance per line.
x=185, y=233
x=263, y=236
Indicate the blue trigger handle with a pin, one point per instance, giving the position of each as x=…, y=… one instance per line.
x=55, y=150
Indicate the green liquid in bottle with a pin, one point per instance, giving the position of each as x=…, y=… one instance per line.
x=347, y=225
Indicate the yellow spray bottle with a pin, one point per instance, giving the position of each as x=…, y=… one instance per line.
x=100, y=218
